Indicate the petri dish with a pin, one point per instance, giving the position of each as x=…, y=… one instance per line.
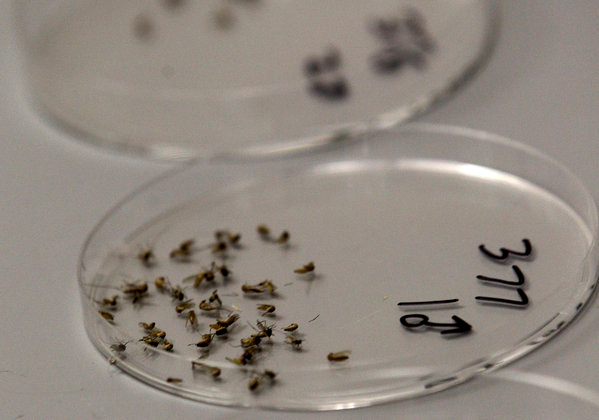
x=500, y=238
x=176, y=79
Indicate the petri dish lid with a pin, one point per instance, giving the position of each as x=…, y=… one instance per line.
x=495, y=242
x=182, y=79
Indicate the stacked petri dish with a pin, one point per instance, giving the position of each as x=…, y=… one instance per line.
x=183, y=79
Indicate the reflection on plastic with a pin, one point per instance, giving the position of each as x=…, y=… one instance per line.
x=561, y=386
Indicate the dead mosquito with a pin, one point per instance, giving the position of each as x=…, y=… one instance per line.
x=153, y=342
x=132, y=288
x=265, y=286
x=156, y=341
x=184, y=305
x=253, y=340
x=239, y=361
x=246, y=357
x=249, y=353
x=167, y=345
x=254, y=383
x=213, y=303
x=208, y=274
x=339, y=356
x=264, y=233
x=183, y=251
x=198, y=278
x=215, y=298
x=226, y=235
x=264, y=331
x=307, y=268
x=268, y=309
x=230, y=238
x=268, y=286
x=159, y=334
x=228, y=321
x=136, y=291
x=106, y=315
x=148, y=326
x=259, y=378
x=249, y=288
x=147, y=257
x=119, y=347
x=219, y=247
x=177, y=293
x=191, y=319
x=110, y=302
x=295, y=342
x=162, y=283
x=219, y=330
x=291, y=327
x=223, y=270
x=283, y=237
x=208, y=307
x=174, y=380
x=155, y=337
x=205, y=341
x=211, y=370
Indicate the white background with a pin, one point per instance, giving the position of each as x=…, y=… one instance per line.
x=541, y=87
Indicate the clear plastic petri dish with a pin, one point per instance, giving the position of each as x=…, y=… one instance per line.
x=175, y=79
x=414, y=259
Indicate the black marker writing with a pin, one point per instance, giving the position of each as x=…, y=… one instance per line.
x=459, y=326
x=505, y=253
x=518, y=282
x=522, y=302
x=428, y=302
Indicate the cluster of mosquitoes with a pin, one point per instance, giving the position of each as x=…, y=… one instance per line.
x=223, y=17
x=213, y=306
x=402, y=40
x=185, y=307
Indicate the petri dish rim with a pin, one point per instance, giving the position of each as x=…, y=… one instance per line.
x=424, y=382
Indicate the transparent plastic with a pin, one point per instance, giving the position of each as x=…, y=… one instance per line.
x=397, y=217
x=175, y=79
